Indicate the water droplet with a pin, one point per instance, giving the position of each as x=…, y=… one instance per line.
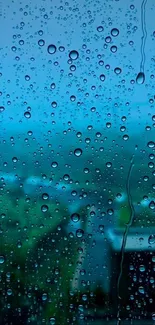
x=73, y=55
x=102, y=77
x=109, y=164
x=52, y=320
x=9, y=292
x=2, y=109
x=113, y=49
x=151, y=144
x=117, y=70
x=140, y=78
x=41, y=42
x=2, y=259
x=151, y=239
x=79, y=233
x=153, y=316
x=78, y=152
x=152, y=205
x=142, y=268
x=44, y=208
x=44, y=296
x=14, y=159
x=141, y=290
x=54, y=164
x=45, y=196
x=51, y=49
x=108, y=125
x=114, y=32
x=125, y=137
x=100, y=29
x=75, y=217
x=27, y=115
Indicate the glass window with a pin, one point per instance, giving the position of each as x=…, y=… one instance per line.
x=77, y=162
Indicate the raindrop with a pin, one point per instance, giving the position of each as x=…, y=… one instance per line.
x=73, y=55
x=44, y=296
x=54, y=164
x=140, y=78
x=125, y=137
x=44, y=208
x=100, y=29
x=117, y=70
x=52, y=320
x=45, y=196
x=142, y=268
x=141, y=289
x=78, y=152
x=2, y=259
x=79, y=233
x=14, y=159
x=152, y=205
x=151, y=144
x=108, y=125
x=113, y=49
x=75, y=217
x=51, y=49
x=2, y=109
x=114, y=32
x=27, y=78
x=109, y=164
x=151, y=239
x=41, y=42
x=102, y=77
x=27, y=115
x=153, y=316
x=9, y=292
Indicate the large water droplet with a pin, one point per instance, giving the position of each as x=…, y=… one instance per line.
x=44, y=208
x=73, y=55
x=151, y=239
x=75, y=217
x=78, y=152
x=51, y=49
x=1, y=259
x=79, y=233
x=114, y=32
x=140, y=78
x=27, y=115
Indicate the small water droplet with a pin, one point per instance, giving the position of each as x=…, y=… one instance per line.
x=140, y=78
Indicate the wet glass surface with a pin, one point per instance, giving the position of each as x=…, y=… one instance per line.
x=77, y=171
